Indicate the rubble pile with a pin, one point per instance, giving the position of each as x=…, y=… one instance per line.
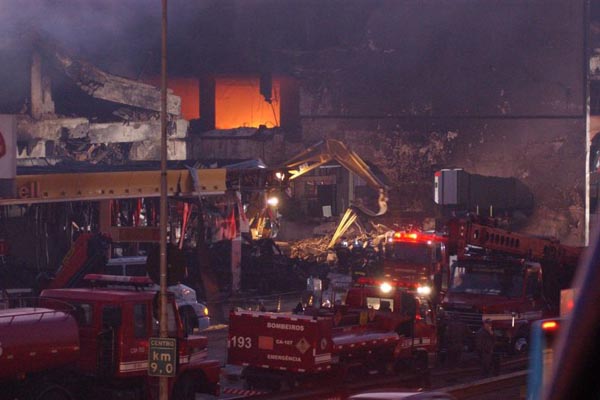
x=316, y=249
x=95, y=153
x=311, y=249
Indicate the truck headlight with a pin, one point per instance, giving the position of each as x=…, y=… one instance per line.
x=385, y=287
x=424, y=290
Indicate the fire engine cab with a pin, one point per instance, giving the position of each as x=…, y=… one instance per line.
x=93, y=343
x=505, y=289
x=511, y=278
x=416, y=257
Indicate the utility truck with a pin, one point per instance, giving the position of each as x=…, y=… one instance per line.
x=511, y=278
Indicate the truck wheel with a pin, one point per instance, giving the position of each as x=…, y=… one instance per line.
x=402, y=366
x=291, y=383
x=185, y=388
x=275, y=384
x=257, y=382
x=251, y=383
x=266, y=383
x=54, y=392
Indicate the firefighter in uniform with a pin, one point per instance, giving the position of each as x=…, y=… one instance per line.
x=484, y=344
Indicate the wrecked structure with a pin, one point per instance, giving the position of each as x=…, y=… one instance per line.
x=117, y=117
x=400, y=93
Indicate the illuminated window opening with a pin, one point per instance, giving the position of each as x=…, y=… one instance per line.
x=239, y=103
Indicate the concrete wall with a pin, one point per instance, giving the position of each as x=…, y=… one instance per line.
x=269, y=147
x=78, y=138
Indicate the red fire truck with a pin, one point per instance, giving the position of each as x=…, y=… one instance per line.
x=416, y=257
x=511, y=278
x=383, y=328
x=94, y=343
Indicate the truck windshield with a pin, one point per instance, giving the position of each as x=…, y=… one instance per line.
x=419, y=253
x=377, y=303
x=486, y=279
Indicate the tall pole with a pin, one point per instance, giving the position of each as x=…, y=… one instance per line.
x=163, y=381
x=586, y=109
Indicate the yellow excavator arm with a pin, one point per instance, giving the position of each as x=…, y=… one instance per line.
x=333, y=150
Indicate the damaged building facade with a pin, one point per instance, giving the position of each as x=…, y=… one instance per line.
x=413, y=87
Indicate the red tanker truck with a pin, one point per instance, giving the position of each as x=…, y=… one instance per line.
x=93, y=343
x=382, y=327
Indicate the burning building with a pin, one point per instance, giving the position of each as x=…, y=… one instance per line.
x=494, y=88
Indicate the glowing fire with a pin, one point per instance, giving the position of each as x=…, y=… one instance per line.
x=238, y=103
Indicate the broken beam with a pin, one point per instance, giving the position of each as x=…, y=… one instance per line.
x=105, y=86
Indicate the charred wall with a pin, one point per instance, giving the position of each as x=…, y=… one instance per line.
x=546, y=155
x=496, y=88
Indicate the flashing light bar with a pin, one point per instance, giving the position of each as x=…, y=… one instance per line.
x=379, y=282
x=406, y=235
x=549, y=325
x=415, y=236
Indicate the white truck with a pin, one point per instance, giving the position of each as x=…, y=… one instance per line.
x=194, y=314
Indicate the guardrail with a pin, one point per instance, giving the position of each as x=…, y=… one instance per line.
x=474, y=390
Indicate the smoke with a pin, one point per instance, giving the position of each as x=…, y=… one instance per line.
x=117, y=35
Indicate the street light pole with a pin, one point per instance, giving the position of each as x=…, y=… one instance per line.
x=163, y=380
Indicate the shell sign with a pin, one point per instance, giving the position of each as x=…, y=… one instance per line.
x=2, y=145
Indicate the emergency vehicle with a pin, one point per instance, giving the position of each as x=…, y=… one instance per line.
x=544, y=346
x=511, y=278
x=382, y=327
x=93, y=343
x=416, y=257
x=541, y=355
